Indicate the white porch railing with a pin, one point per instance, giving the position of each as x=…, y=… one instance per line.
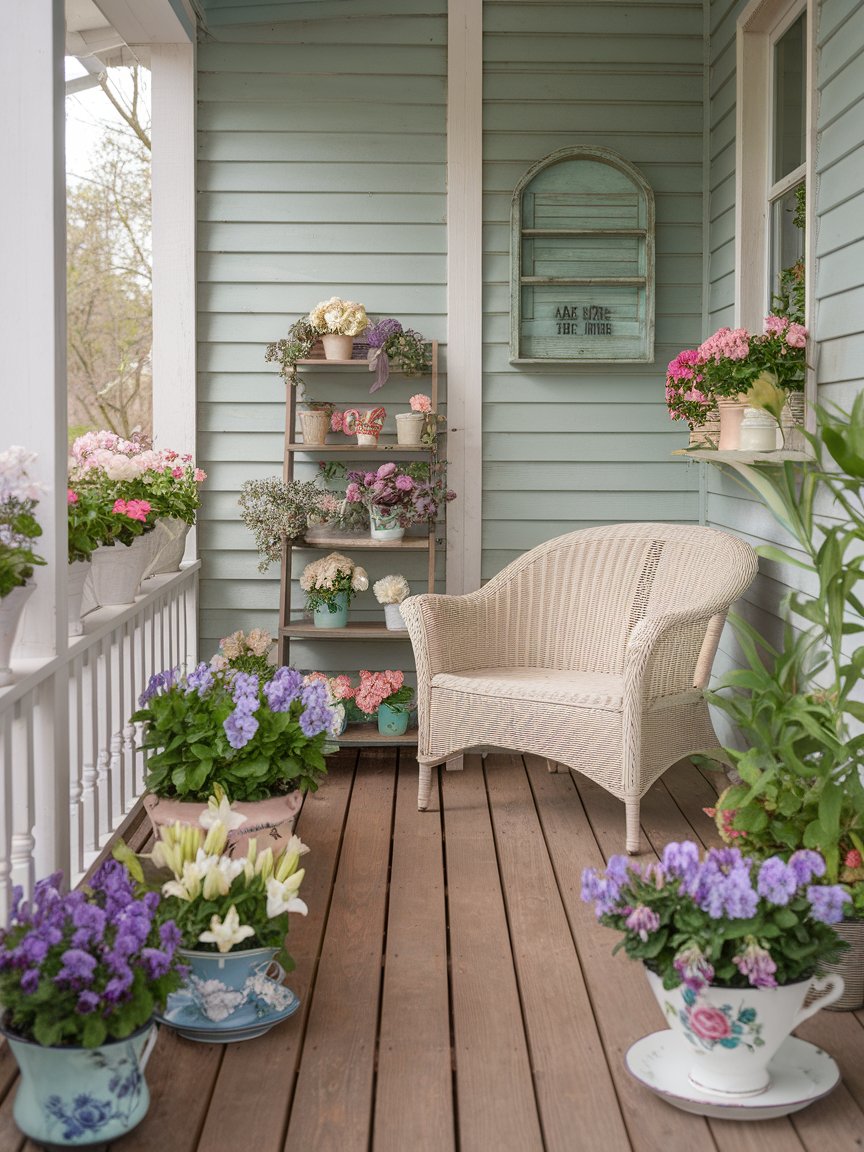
x=69, y=769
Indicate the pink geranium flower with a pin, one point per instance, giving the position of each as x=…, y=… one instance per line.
x=420, y=403
x=71, y=497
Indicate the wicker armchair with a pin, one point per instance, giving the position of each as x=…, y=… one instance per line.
x=591, y=650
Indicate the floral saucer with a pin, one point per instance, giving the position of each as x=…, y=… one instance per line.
x=800, y=1074
x=253, y=1018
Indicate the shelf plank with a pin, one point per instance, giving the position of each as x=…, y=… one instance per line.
x=388, y=445
x=323, y=362
x=366, y=735
x=715, y=456
x=362, y=630
x=356, y=540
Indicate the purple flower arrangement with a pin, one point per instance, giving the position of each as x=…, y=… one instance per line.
x=417, y=498
x=84, y=967
x=724, y=919
x=253, y=737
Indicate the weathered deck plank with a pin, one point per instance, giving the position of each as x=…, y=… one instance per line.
x=414, y=1088
x=332, y=1109
x=573, y=1084
x=495, y=1096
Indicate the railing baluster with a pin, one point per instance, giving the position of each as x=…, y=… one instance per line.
x=70, y=761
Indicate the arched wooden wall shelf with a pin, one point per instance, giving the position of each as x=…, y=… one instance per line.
x=582, y=260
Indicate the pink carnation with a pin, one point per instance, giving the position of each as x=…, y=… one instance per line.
x=420, y=403
x=200, y=476
x=796, y=336
x=776, y=325
x=177, y=473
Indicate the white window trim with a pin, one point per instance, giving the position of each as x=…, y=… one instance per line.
x=760, y=25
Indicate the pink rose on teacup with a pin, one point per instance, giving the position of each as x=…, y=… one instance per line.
x=709, y=1023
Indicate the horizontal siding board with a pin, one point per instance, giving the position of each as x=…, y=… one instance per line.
x=586, y=19
x=230, y=116
x=587, y=446
x=329, y=149
x=275, y=63
x=338, y=207
x=842, y=136
x=297, y=299
x=845, y=45
x=272, y=176
x=841, y=270
x=271, y=268
x=841, y=181
x=841, y=225
x=612, y=506
x=328, y=239
x=526, y=146
x=340, y=90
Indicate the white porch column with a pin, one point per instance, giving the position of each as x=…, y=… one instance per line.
x=173, y=191
x=464, y=291
x=33, y=289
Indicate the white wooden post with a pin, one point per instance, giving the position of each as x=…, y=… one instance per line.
x=464, y=291
x=33, y=288
x=33, y=331
x=173, y=192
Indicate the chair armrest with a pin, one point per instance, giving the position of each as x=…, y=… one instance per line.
x=672, y=652
x=450, y=633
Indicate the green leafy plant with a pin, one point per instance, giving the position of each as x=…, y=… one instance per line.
x=796, y=703
x=789, y=298
x=296, y=346
x=253, y=739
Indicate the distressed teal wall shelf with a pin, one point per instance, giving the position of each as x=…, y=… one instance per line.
x=582, y=260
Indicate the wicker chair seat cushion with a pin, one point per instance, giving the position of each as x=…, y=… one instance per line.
x=603, y=691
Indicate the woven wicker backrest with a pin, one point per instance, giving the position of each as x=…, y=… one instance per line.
x=572, y=602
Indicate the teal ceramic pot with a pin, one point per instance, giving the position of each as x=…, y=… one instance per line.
x=324, y=618
x=391, y=722
x=80, y=1097
x=232, y=969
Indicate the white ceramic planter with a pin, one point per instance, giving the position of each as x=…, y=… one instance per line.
x=168, y=544
x=732, y=1033
x=11, y=607
x=118, y=570
x=315, y=425
x=384, y=523
x=409, y=428
x=77, y=573
x=393, y=618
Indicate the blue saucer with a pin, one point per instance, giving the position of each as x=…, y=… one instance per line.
x=244, y=1023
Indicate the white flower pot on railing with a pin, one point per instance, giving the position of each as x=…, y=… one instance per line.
x=118, y=570
x=77, y=573
x=11, y=607
x=169, y=544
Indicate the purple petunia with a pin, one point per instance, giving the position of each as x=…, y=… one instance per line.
x=806, y=864
x=240, y=727
x=283, y=689
x=602, y=891
x=723, y=888
x=200, y=679
x=827, y=902
x=244, y=684
x=681, y=861
x=777, y=882
x=156, y=683
x=78, y=967
x=756, y=964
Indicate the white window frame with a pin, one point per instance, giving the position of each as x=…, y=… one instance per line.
x=760, y=25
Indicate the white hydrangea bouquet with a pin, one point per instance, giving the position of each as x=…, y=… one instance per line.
x=339, y=317
x=323, y=580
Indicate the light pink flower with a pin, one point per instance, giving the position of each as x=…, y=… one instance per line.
x=420, y=403
x=71, y=497
x=796, y=336
x=776, y=325
x=199, y=476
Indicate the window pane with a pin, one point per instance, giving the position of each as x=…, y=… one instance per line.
x=787, y=252
x=790, y=80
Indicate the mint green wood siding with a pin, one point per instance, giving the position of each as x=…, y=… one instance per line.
x=321, y=171
x=837, y=191
x=569, y=445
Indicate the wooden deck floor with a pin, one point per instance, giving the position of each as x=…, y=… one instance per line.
x=457, y=996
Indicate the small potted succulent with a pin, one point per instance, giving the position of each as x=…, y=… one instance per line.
x=329, y=584
x=391, y=591
x=81, y=975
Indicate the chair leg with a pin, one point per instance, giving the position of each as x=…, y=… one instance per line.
x=455, y=764
x=551, y=765
x=631, y=808
x=424, y=788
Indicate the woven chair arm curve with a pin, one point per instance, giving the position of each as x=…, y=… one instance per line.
x=449, y=633
x=648, y=630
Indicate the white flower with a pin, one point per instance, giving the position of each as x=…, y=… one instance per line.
x=121, y=468
x=221, y=810
x=359, y=580
x=228, y=932
x=188, y=885
x=218, y=663
x=391, y=589
x=219, y=873
x=214, y=998
x=282, y=895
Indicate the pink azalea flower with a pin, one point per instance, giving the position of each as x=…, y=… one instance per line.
x=796, y=336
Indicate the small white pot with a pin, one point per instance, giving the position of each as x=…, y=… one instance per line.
x=409, y=427
x=77, y=573
x=11, y=607
x=168, y=544
x=118, y=570
x=393, y=618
